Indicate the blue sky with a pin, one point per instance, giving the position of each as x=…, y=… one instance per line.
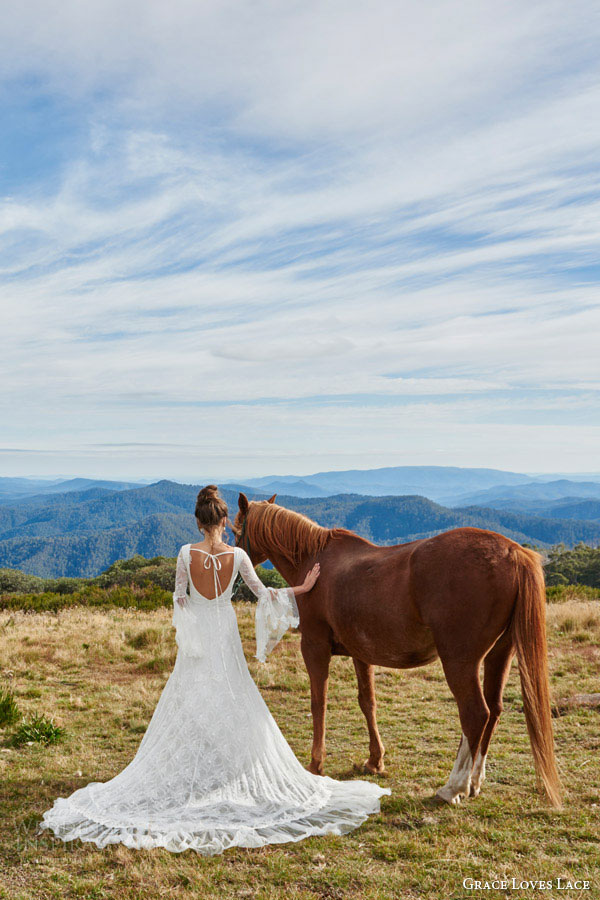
x=242, y=239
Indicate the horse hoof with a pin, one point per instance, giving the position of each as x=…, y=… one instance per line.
x=371, y=769
x=474, y=791
x=314, y=769
x=447, y=797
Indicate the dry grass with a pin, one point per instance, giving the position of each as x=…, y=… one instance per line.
x=98, y=673
x=579, y=618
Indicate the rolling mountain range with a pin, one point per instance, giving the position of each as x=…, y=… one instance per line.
x=81, y=532
x=451, y=486
x=586, y=510
x=439, y=483
x=534, y=496
x=19, y=489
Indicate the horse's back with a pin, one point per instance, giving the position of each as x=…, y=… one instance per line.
x=396, y=605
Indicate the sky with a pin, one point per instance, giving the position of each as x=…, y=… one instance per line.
x=241, y=239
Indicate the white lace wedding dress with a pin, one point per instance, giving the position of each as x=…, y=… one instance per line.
x=213, y=770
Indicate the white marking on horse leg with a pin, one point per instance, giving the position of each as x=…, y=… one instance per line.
x=478, y=774
x=459, y=783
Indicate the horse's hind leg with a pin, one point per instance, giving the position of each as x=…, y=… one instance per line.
x=317, y=657
x=496, y=668
x=365, y=675
x=463, y=679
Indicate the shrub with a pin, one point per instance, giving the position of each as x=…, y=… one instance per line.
x=136, y=571
x=125, y=597
x=562, y=593
x=149, y=637
x=13, y=581
x=9, y=711
x=157, y=664
x=135, y=583
x=158, y=571
x=38, y=729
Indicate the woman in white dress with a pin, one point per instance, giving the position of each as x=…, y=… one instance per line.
x=213, y=770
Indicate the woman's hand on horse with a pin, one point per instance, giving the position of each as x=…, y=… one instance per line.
x=310, y=579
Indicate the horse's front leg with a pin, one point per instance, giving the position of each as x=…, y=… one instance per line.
x=365, y=675
x=317, y=657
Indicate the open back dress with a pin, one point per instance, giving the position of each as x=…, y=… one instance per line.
x=213, y=770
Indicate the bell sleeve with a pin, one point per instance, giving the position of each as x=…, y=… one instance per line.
x=276, y=609
x=187, y=627
x=180, y=594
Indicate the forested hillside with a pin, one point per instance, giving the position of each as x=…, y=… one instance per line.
x=82, y=532
x=580, y=565
x=588, y=510
x=389, y=520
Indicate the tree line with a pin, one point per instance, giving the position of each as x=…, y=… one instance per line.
x=148, y=583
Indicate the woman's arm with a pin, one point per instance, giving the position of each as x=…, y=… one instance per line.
x=309, y=581
x=188, y=630
x=181, y=580
x=276, y=610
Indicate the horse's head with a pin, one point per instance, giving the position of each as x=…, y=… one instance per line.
x=240, y=529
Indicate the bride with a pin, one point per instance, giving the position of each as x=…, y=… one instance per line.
x=213, y=770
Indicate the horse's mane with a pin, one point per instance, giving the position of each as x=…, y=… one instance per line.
x=288, y=532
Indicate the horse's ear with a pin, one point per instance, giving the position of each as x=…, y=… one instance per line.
x=243, y=503
x=272, y=499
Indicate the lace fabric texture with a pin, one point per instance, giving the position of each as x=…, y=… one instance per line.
x=276, y=609
x=213, y=770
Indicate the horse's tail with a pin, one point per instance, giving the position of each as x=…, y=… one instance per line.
x=529, y=633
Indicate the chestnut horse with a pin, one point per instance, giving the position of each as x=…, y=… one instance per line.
x=466, y=596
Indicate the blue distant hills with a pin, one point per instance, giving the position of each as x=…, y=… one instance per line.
x=81, y=529
x=19, y=489
x=450, y=485
x=438, y=483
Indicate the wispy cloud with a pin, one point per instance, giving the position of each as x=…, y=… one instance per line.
x=311, y=231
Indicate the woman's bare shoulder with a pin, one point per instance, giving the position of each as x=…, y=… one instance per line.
x=223, y=548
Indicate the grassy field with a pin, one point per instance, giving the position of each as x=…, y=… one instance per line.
x=98, y=673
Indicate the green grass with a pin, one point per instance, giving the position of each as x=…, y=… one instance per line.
x=9, y=711
x=104, y=693
x=38, y=729
x=149, y=637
